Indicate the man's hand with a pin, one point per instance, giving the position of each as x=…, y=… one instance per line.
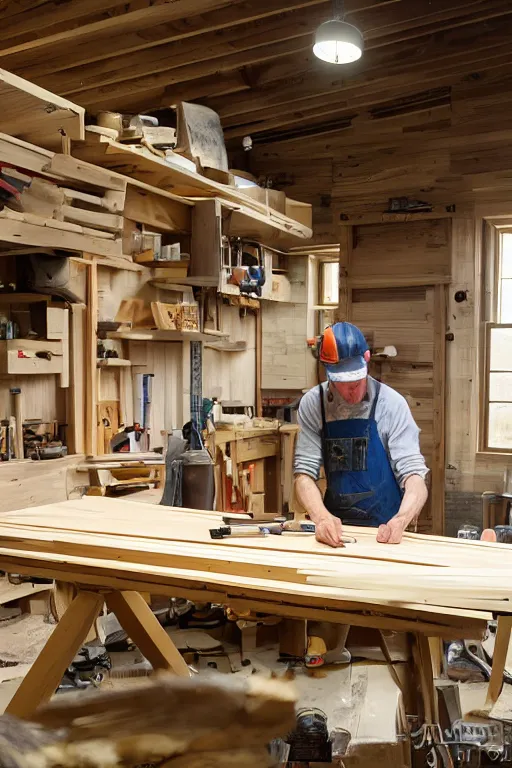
x=392, y=532
x=414, y=500
x=329, y=531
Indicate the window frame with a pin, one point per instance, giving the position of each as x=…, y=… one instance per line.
x=493, y=272
x=321, y=280
x=488, y=330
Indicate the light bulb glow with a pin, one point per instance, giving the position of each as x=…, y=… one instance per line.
x=337, y=42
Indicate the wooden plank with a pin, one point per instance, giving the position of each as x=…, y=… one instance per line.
x=343, y=312
x=257, y=448
x=438, y=458
x=76, y=393
x=34, y=114
x=68, y=636
x=81, y=570
x=91, y=353
x=156, y=211
x=142, y=626
x=499, y=659
x=108, y=222
x=49, y=236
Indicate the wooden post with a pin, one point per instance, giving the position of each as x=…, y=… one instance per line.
x=18, y=415
x=91, y=357
x=44, y=677
x=439, y=373
x=259, y=363
x=76, y=391
x=499, y=659
x=137, y=618
x=343, y=311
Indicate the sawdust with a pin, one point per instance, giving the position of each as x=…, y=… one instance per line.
x=21, y=639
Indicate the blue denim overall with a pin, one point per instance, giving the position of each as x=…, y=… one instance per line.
x=361, y=485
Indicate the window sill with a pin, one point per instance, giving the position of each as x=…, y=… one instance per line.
x=494, y=455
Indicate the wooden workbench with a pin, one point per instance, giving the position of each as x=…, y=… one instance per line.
x=114, y=550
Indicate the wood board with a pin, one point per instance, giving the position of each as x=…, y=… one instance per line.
x=425, y=576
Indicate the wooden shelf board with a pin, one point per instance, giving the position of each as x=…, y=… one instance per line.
x=113, y=362
x=227, y=346
x=248, y=216
x=200, y=282
x=34, y=114
x=23, y=298
x=149, y=335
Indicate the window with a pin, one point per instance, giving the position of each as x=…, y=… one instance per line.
x=498, y=435
x=329, y=283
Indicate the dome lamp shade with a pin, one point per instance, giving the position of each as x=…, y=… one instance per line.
x=338, y=42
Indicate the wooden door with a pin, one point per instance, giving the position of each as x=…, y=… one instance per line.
x=413, y=319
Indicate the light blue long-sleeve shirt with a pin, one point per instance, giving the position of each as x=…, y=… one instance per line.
x=395, y=424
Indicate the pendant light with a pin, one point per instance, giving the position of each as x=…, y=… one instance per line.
x=336, y=41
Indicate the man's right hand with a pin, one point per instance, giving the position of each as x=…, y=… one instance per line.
x=329, y=531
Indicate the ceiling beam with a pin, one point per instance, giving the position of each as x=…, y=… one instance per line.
x=146, y=14
x=52, y=18
x=46, y=59
x=228, y=39
x=385, y=89
x=316, y=87
x=191, y=50
x=107, y=96
x=197, y=90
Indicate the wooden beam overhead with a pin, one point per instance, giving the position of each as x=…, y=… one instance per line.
x=335, y=107
x=252, y=61
x=205, y=48
x=39, y=63
x=145, y=14
x=303, y=78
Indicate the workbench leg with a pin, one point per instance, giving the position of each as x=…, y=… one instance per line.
x=142, y=626
x=436, y=654
x=423, y=660
x=499, y=659
x=44, y=677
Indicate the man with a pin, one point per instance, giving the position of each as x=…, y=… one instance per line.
x=364, y=434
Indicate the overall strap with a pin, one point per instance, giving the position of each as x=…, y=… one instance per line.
x=323, y=433
x=322, y=408
x=375, y=400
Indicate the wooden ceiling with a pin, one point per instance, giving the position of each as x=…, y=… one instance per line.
x=251, y=60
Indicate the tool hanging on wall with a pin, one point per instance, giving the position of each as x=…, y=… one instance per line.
x=141, y=433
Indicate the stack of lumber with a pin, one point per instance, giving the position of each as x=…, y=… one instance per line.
x=442, y=587
x=60, y=202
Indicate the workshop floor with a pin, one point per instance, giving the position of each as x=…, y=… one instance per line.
x=338, y=691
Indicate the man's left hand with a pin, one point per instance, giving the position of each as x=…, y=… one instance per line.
x=392, y=532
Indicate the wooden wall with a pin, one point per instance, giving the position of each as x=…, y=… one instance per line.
x=232, y=375
x=454, y=153
x=397, y=296
x=455, y=156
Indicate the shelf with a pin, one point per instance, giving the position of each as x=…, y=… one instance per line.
x=142, y=335
x=113, y=362
x=23, y=298
x=227, y=346
x=249, y=217
x=35, y=114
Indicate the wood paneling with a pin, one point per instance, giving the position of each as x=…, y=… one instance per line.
x=413, y=319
